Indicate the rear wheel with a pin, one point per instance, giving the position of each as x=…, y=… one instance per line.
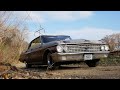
x=92, y=63
x=28, y=65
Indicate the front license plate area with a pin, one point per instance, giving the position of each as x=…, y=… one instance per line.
x=88, y=56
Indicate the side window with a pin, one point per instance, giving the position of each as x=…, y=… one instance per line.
x=35, y=43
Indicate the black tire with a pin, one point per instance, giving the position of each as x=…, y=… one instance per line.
x=50, y=63
x=92, y=63
x=28, y=65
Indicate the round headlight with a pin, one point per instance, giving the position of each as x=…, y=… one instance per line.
x=59, y=49
x=65, y=48
x=106, y=48
x=102, y=48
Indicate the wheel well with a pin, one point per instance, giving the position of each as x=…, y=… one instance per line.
x=46, y=52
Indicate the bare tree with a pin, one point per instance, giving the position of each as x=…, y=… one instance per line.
x=113, y=41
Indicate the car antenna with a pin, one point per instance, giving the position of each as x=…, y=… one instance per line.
x=39, y=31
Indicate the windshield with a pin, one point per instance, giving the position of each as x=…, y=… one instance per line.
x=47, y=39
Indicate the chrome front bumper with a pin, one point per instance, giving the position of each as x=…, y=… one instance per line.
x=57, y=57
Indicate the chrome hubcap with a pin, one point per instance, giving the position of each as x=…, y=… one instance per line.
x=48, y=60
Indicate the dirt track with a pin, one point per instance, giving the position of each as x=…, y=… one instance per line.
x=68, y=72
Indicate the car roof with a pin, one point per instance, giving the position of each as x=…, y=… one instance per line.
x=54, y=35
x=49, y=35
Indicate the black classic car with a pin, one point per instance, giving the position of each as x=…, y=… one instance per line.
x=54, y=50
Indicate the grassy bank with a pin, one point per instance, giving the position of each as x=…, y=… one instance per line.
x=110, y=61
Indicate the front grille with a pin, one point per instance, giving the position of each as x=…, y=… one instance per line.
x=82, y=48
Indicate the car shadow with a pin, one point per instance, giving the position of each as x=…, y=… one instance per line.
x=64, y=67
x=61, y=67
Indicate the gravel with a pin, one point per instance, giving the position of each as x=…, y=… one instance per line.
x=64, y=72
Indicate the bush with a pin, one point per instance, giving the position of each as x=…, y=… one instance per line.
x=10, y=49
x=12, y=40
x=110, y=61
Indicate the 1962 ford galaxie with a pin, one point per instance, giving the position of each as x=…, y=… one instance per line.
x=54, y=50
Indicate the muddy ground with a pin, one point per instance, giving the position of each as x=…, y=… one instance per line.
x=77, y=71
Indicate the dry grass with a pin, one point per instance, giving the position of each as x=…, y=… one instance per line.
x=110, y=61
x=12, y=39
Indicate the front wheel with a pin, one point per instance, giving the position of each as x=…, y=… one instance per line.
x=49, y=61
x=92, y=63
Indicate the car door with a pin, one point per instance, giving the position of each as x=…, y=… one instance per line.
x=27, y=56
x=28, y=53
x=35, y=51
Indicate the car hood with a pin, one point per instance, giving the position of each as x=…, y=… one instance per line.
x=72, y=42
x=81, y=41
